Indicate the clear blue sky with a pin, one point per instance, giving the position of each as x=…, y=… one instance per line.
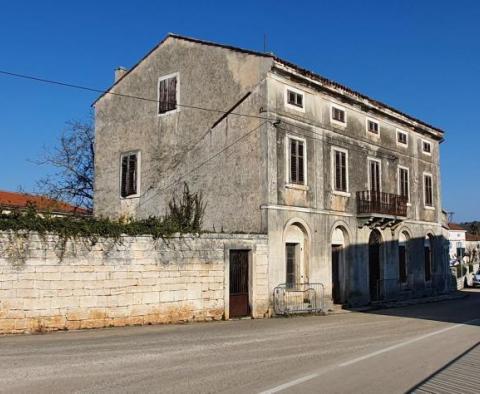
x=422, y=57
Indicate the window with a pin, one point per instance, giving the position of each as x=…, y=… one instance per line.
x=167, y=94
x=296, y=151
x=374, y=177
x=373, y=126
x=340, y=171
x=129, y=174
x=291, y=263
x=428, y=190
x=403, y=183
x=402, y=138
x=294, y=98
x=427, y=147
x=338, y=115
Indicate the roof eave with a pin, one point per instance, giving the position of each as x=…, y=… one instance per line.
x=367, y=103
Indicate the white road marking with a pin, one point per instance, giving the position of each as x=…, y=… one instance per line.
x=362, y=358
x=291, y=383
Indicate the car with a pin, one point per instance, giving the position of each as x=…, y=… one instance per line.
x=476, y=279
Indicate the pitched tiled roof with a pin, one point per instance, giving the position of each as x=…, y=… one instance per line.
x=472, y=237
x=41, y=203
x=298, y=69
x=455, y=227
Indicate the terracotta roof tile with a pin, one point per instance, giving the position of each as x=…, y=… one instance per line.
x=455, y=227
x=41, y=203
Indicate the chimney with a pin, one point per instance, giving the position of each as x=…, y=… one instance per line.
x=120, y=72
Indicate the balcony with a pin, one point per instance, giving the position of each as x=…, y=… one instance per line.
x=378, y=209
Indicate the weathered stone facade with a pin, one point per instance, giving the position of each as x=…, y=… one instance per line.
x=240, y=161
x=44, y=287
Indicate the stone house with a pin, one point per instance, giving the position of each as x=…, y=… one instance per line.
x=346, y=188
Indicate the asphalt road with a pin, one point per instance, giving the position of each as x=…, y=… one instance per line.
x=386, y=351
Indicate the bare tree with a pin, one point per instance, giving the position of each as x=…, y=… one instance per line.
x=73, y=162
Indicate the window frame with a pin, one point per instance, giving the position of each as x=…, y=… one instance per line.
x=423, y=147
x=369, y=180
x=293, y=106
x=333, y=172
x=177, y=94
x=399, y=182
x=288, y=181
x=425, y=205
x=370, y=133
x=138, y=173
x=335, y=121
x=405, y=145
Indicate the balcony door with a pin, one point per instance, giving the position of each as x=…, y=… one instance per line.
x=374, y=175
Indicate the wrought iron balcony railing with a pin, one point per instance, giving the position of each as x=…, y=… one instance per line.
x=373, y=202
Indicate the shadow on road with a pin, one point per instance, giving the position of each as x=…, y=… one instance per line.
x=465, y=310
x=457, y=376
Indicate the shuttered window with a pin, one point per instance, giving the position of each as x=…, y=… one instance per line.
x=403, y=183
x=167, y=94
x=428, y=190
x=297, y=161
x=340, y=171
x=129, y=175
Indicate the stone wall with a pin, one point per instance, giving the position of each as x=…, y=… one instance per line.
x=45, y=285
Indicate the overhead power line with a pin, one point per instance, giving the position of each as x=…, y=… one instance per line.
x=90, y=89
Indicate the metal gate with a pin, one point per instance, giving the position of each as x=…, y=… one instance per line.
x=239, y=302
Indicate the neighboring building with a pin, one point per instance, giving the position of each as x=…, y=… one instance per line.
x=457, y=239
x=10, y=201
x=472, y=250
x=346, y=188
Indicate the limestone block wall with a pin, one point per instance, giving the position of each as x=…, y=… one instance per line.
x=48, y=285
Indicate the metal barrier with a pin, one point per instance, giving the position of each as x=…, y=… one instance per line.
x=298, y=298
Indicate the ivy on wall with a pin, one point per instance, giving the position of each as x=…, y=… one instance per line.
x=185, y=216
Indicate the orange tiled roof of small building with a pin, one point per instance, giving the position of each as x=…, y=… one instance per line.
x=41, y=203
x=472, y=237
x=455, y=227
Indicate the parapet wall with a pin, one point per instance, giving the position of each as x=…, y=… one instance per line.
x=46, y=284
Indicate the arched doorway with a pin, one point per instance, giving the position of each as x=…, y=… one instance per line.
x=296, y=257
x=428, y=244
x=374, y=263
x=403, y=257
x=339, y=244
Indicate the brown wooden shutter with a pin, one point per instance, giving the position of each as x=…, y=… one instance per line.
x=123, y=185
x=162, y=90
x=132, y=174
x=301, y=175
x=293, y=161
x=172, y=93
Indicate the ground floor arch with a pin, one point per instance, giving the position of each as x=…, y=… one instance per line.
x=339, y=244
x=375, y=250
x=296, y=240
